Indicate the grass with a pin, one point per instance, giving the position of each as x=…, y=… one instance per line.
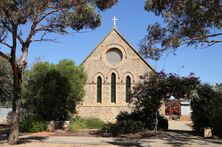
x=86, y=123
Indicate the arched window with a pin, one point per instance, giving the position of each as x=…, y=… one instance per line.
x=128, y=88
x=113, y=88
x=99, y=90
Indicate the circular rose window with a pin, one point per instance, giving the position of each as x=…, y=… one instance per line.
x=114, y=56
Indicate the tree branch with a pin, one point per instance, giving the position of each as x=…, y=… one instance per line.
x=45, y=39
x=10, y=30
x=4, y=43
x=210, y=42
x=35, y=23
x=204, y=37
x=20, y=39
x=5, y=56
x=47, y=14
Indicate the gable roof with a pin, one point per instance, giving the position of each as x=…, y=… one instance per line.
x=115, y=29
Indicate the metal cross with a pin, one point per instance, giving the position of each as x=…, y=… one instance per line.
x=114, y=20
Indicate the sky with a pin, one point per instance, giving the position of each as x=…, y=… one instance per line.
x=132, y=24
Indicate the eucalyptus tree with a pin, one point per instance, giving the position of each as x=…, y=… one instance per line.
x=186, y=22
x=21, y=20
x=5, y=83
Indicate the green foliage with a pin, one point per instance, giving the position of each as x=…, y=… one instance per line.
x=76, y=14
x=32, y=126
x=129, y=126
x=190, y=22
x=218, y=87
x=31, y=123
x=51, y=92
x=146, y=97
x=5, y=83
x=133, y=122
x=127, y=123
x=94, y=123
x=148, y=94
x=40, y=17
x=85, y=123
x=206, y=109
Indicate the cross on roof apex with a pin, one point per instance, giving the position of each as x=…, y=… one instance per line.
x=114, y=21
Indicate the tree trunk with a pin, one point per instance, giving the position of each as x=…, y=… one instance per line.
x=156, y=122
x=16, y=104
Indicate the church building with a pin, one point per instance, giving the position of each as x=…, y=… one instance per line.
x=112, y=68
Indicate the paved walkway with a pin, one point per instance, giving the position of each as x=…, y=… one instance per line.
x=167, y=139
x=180, y=125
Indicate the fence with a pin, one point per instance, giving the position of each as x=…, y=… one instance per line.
x=3, y=115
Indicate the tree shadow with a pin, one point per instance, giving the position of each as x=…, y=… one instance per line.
x=31, y=139
x=22, y=140
x=175, y=138
x=180, y=138
x=127, y=142
x=4, y=135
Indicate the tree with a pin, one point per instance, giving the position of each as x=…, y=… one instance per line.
x=40, y=17
x=218, y=87
x=189, y=22
x=52, y=91
x=152, y=89
x=5, y=83
x=146, y=99
x=206, y=109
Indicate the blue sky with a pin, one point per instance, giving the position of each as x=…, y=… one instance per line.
x=133, y=21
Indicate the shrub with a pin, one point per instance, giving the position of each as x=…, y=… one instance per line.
x=129, y=126
x=206, y=110
x=124, y=116
x=94, y=123
x=139, y=118
x=85, y=123
x=107, y=127
x=126, y=123
x=30, y=122
x=32, y=126
x=216, y=113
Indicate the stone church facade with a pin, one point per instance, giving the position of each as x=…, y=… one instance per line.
x=112, y=68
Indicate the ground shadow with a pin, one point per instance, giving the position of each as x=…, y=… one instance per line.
x=4, y=132
x=31, y=139
x=127, y=142
x=180, y=138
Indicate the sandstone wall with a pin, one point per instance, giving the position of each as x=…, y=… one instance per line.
x=96, y=65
